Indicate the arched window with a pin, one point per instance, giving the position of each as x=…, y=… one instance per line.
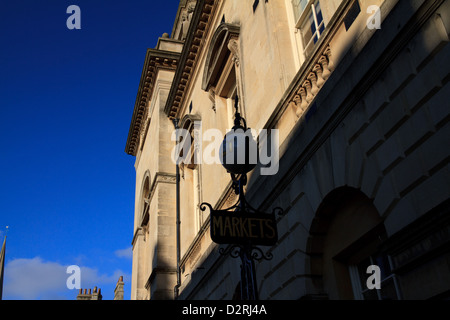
x=190, y=184
x=222, y=76
x=145, y=203
x=218, y=54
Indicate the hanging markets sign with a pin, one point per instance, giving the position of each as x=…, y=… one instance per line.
x=243, y=228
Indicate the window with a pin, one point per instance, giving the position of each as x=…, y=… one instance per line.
x=312, y=27
x=299, y=7
x=145, y=203
x=222, y=77
x=226, y=96
x=190, y=184
x=390, y=289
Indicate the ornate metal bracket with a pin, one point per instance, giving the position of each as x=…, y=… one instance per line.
x=236, y=251
x=241, y=227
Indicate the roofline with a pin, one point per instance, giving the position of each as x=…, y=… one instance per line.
x=161, y=59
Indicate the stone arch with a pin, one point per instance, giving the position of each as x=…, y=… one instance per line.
x=346, y=226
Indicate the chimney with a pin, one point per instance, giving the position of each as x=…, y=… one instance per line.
x=97, y=294
x=89, y=295
x=118, y=292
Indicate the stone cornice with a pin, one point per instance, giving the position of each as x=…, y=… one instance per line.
x=199, y=26
x=154, y=60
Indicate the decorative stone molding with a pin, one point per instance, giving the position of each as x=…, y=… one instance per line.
x=314, y=81
x=327, y=52
x=318, y=70
x=154, y=61
x=212, y=97
x=233, y=46
x=309, y=95
x=302, y=92
x=186, y=17
x=323, y=61
x=199, y=25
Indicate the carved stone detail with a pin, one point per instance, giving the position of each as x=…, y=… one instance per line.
x=233, y=46
x=320, y=80
x=298, y=103
x=309, y=95
x=212, y=97
x=302, y=93
x=326, y=72
x=313, y=81
x=330, y=61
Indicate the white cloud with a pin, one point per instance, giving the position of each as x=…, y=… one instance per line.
x=36, y=278
x=33, y=278
x=125, y=253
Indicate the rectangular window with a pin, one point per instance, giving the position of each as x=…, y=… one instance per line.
x=312, y=27
x=390, y=289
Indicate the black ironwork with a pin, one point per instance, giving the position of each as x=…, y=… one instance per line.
x=246, y=248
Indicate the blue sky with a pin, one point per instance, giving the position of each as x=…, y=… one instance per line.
x=66, y=101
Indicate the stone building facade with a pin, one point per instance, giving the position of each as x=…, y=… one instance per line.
x=358, y=91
